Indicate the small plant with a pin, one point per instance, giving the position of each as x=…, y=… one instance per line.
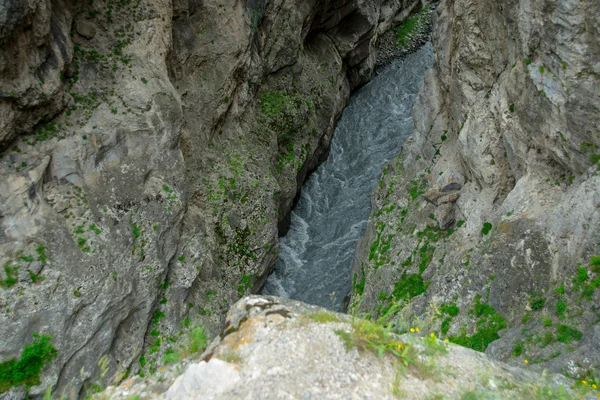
x=11, y=275
x=195, y=343
x=566, y=334
x=170, y=356
x=487, y=227
x=518, y=350
x=26, y=371
x=538, y=303
x=511, y=107
x=376, y=338
x=324, y=316
x=561, y=307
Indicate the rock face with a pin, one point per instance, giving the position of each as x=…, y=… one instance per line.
x=491, y=210
x=151, y=153
x=283, y=349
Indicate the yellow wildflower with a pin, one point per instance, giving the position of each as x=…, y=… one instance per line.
x=595, y=387
x=418, y=330
x=412, y=329
x=584, y=382
x=526, y=361
x=446, y=340
x=432, y=335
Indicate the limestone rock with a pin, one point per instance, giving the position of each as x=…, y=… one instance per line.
x=507, y=118
x=444, y=215
x=450, y=181
x=86, y=29
x=285, y=349
x=205, y=380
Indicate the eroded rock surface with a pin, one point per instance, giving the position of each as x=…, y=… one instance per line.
x=507, y=124
x=273, y=348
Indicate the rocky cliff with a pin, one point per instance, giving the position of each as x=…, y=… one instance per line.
x=273, y=348
x=490, y=213
x=151, y=153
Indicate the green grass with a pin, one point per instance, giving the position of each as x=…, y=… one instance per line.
x=518, y=350
x=195, y=343
x=409, y=286
x=561, y=307
x=323, y=317
x=26, y=370
x=488, y=324
x=273, y=102
x=359, y=286
x=405, y=32
x=376, y=338
x=450, y=309
x=11, y=275
x=566, y=334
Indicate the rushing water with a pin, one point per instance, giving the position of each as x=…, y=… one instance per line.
x=316, y=255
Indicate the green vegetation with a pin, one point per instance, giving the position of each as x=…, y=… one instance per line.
x=380, y=247
x=511, y=107
x=26, y=371
x=376, y=338
x=537, y=303
x=417, y=189
x=518, y=350
x=409, y=286
x=95, y=229
x=450, y=309
x=487, y=227
x=359, y=287
x=489, y=322
x=561, y=307
x=406, y=31
x=41, y=250
x=245, y=284
x=566, y=334
x=194, y=343
x=11, y=275
x=324, y=316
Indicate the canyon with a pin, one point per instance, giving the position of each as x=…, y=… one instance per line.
x=152, y=154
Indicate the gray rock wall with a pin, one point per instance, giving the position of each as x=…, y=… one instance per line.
x=151, y=153
x=494, y=201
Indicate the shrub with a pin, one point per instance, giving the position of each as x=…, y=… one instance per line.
x=487, y=227
x=566, y=334
x=450, y=309
x=489, y=323
x=196, y=342
x=561, y=307
x=26, y=371
x=538, y=303
x=518, y=350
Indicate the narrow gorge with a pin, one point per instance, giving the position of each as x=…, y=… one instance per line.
x=316, y=254
x=434, y=205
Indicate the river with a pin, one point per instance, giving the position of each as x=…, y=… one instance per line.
x=316, y=254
